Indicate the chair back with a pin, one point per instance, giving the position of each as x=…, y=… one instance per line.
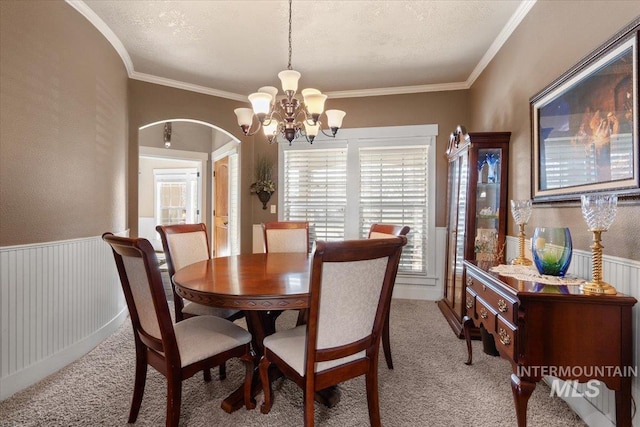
x=143, y=290
x=183, y=244
x=382, y=231
x=286, y=236
x=351, y=284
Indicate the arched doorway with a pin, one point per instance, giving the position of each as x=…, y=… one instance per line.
x=176, y=182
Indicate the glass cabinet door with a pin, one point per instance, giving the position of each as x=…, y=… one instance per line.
x=458, y=177
x=488, y=196
x=453, y=187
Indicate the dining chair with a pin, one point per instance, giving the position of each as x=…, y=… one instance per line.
x=186, y=244
x=286, y=236
x=384, y=231
x=176, y=351
x=350, y=286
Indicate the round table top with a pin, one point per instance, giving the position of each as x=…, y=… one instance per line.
x=274, y=281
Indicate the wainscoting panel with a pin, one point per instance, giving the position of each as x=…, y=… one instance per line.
x=624, y=274
x=58, y=300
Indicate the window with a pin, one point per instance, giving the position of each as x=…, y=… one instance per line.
x=368, y=175
x=176, y=196
x=315, y=190
x=394, y=190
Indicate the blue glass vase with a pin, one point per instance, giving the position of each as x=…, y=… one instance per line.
x=492, y=161
x=552, y=249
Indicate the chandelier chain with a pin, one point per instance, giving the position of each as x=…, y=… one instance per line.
x=290, y=50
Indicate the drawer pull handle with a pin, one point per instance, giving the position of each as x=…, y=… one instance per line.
x=502, y=306
x=469, y=281
x=483, y=313
x=505, y=339
x=469, y=302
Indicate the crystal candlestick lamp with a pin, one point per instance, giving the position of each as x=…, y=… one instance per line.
x=521, y=211
x=599, y=212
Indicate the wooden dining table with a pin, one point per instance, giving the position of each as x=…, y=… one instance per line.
x=261, y=285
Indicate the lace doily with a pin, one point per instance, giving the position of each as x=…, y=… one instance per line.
x=530, y=274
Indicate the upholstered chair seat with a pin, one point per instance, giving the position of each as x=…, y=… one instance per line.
x=201, y=337
x=289, y=346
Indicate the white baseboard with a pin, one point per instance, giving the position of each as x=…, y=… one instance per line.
x=419, y=292
x=36, y=372
x=591, y=415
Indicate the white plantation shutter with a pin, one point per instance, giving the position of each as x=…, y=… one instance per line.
x=394, y=190
x=315, y=190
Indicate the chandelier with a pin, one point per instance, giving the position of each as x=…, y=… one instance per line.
x=289, y=118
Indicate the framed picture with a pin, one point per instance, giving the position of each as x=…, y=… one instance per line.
x=585, y=125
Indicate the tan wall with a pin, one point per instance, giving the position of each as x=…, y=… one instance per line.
x=553, y=37
x=148, y=103
x=187, y=136
x=63, y=121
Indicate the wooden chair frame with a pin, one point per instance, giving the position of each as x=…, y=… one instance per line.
x=311, y=381
x=165, y=232
x=163, y=354
x=394, y=230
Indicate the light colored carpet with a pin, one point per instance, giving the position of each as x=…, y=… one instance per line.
x=430, y=386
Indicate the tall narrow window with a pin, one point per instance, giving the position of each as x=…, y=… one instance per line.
x=315, y=190
x=394, y=189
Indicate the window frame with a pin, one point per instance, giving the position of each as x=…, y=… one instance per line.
x=353, y=140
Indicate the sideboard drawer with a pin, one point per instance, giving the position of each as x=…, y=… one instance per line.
x=485, y=315
x=505, y=338
x=470, y=303
x=507, y=307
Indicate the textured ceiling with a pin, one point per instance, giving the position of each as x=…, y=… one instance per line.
x=349, y=45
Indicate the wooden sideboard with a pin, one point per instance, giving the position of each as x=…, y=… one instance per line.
x=545, y=329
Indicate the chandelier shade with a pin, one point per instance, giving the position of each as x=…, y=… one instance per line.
x=287, y=116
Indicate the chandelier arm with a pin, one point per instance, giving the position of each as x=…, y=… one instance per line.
x=277, y=115
x=305, y=118
x=249, y=133
x=326, y=134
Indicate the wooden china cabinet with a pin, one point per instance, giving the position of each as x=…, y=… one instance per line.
x=476, y=211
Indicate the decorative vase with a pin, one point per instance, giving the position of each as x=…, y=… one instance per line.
x=492, y=162
x=552, y=249
x=264, y=197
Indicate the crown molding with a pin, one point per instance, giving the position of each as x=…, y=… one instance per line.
x=101, y=26
x=502, y=38
x=506, y=32
x=150, y=78
x=399, y=90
